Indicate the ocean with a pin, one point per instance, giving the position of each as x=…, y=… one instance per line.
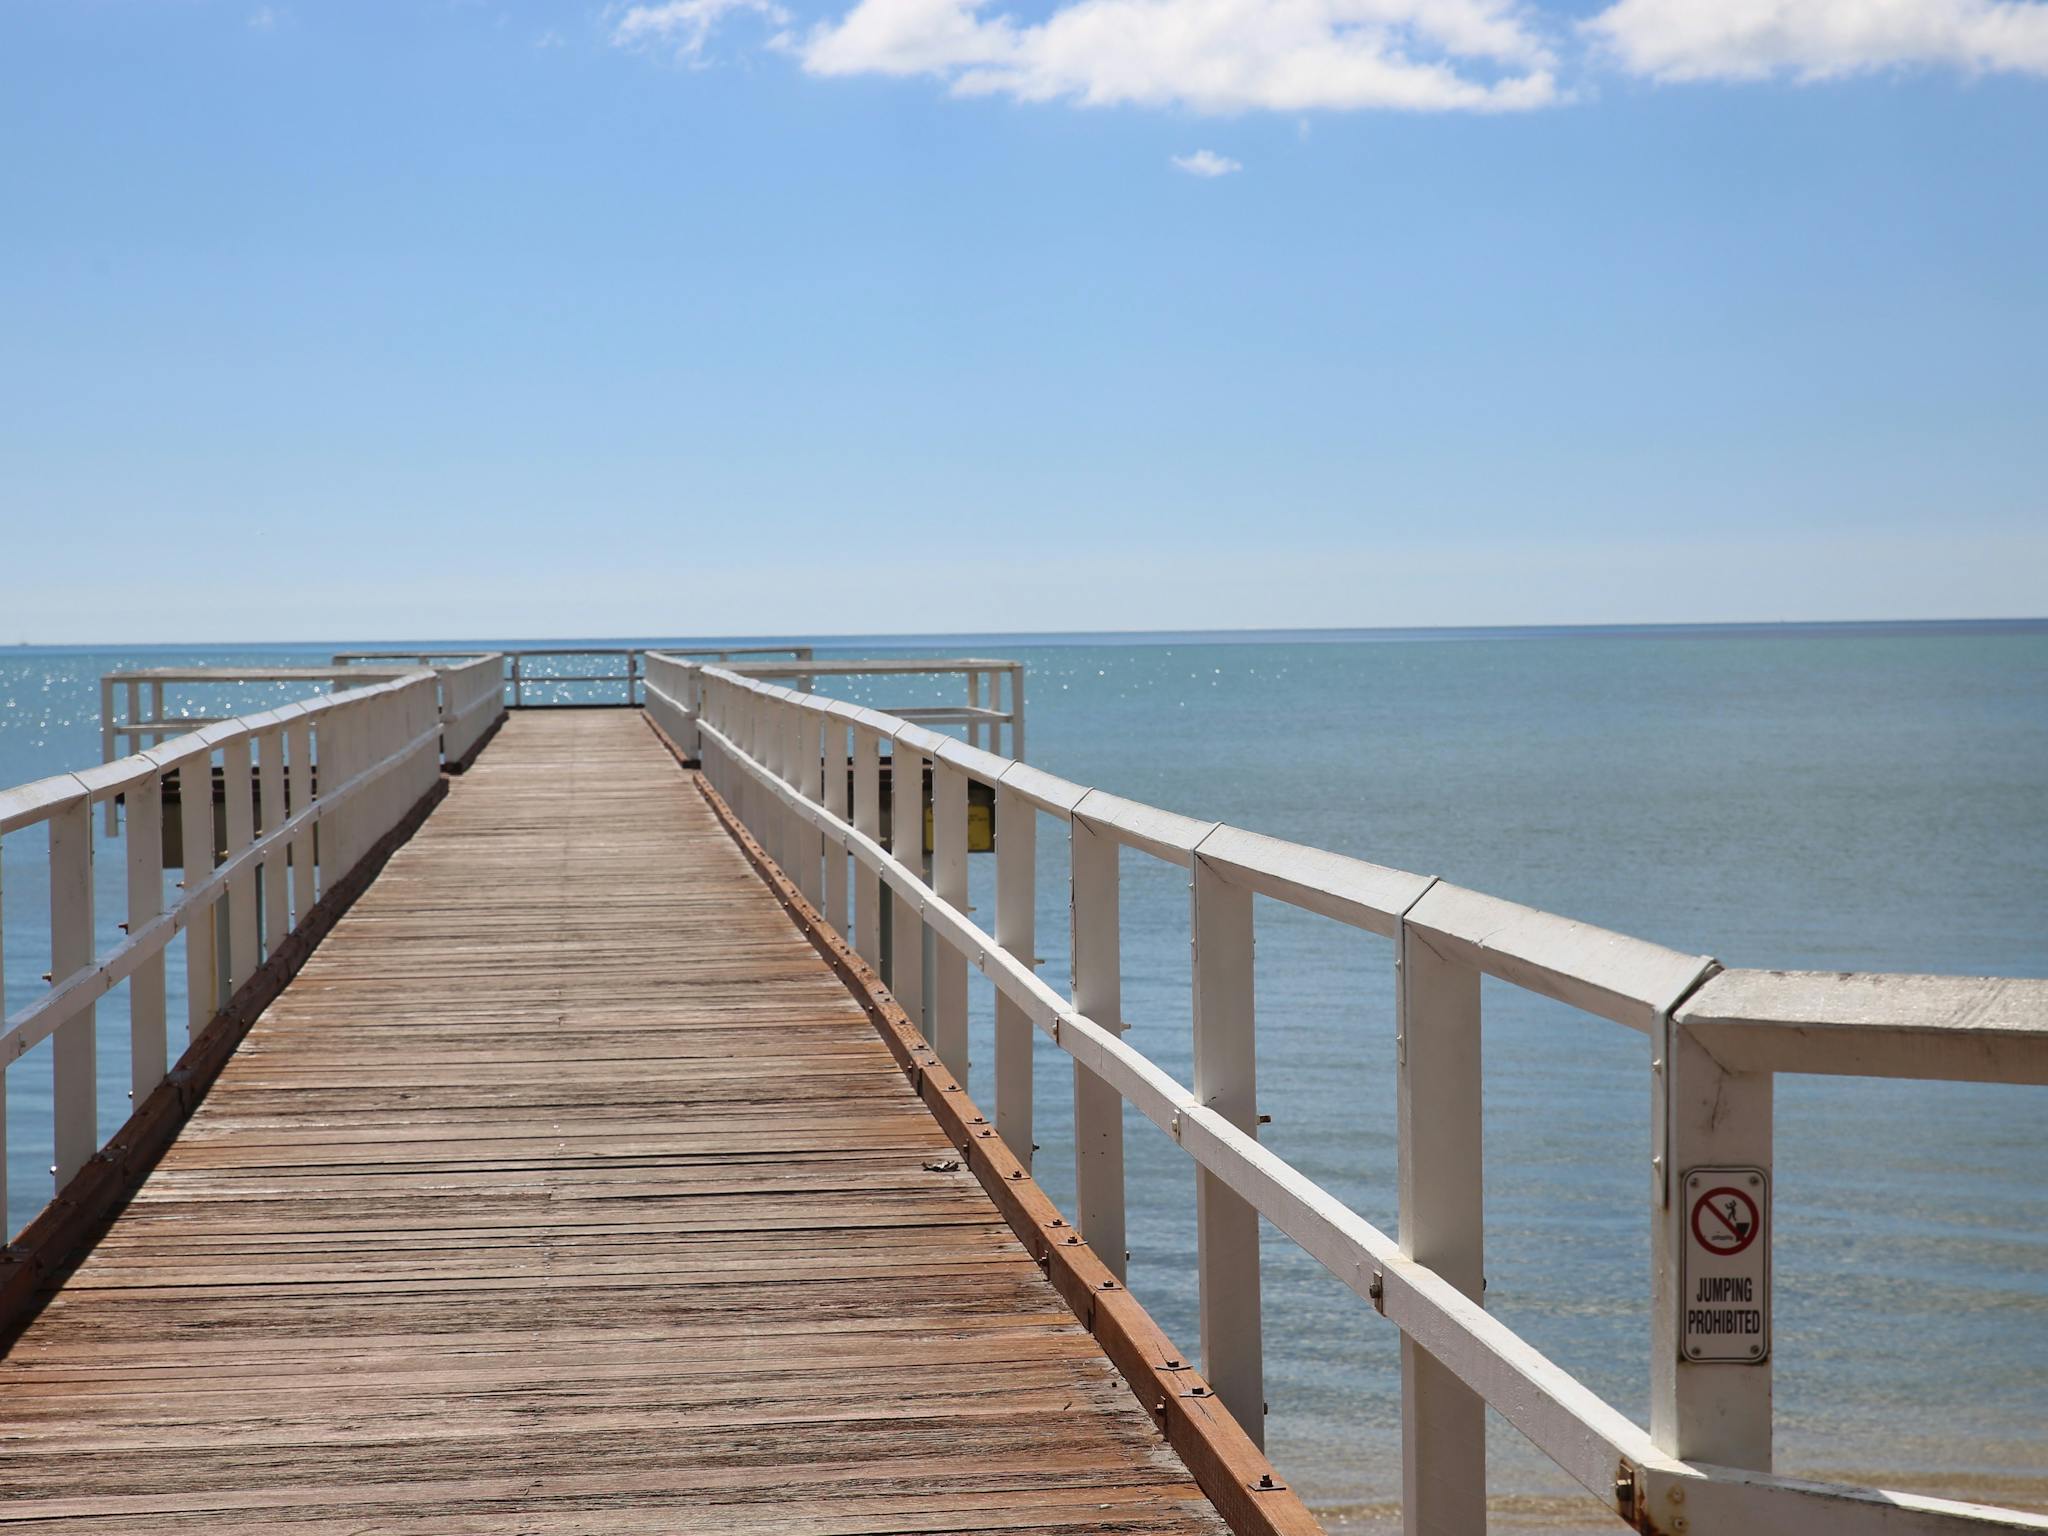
x=1852, y=797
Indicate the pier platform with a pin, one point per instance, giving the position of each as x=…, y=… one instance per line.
x=567, y=1188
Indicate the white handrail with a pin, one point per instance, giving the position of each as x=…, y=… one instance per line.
x=378, y=752
x=1718, y=1036
x=515, y=677
x=28, y=1027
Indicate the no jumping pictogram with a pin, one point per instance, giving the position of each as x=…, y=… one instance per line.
x=1725, y=1221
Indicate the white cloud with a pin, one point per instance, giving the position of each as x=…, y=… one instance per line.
x=549, y=39
x=1210, y=55
x=1299, y=56
x=1820, y=39
x=686, y=25
x=263, y=19
x=1207, y=163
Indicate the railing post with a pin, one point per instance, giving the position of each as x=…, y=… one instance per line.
x=1226, y=1080
x=337, y=730
x=906, y=838
x=832, y=755
x=148, y=1050
x=800, y=772
x=1017, y=932
x=109, y=739
x=737, y=725
x=132, y=695
x=1098, y=993
x=239, y=790
x=974, y=737
x=810, y=768
x=765, y=748
x=447, y=707
x=734, y=721
x=693, y=708
x=355, y=756
x=195, y=829
x=518, y=684
x=299, y=734
x=786, y=721
x=1017, y=711
x=73, y=1063
x=867, y=818
x=949, y=884
x=408, y=714
x=739, y=709
x=1442, y=1217
x=715, y=703
x=1714, y=1411
x=391, y=715
x=360, y=735
x=780, y=749
x=789, y=828
x=754, y=797
x=277, y=906
x=425, y=762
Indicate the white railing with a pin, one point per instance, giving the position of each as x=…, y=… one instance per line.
x=128, y=724
x=521, y=672
x=472, y=690
x=995, y=690
x=136, y=710
x=994, y=708
x=471, y=684
x=1718, y=1038
x=472, y=701
x=288, y=836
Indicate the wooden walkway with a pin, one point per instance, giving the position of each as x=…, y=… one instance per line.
x=567, y=1191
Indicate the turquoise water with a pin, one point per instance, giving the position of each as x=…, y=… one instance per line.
x=1858, y=798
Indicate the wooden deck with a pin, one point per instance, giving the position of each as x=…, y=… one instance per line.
x=566, y=1190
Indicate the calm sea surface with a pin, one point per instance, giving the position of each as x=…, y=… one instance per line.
x=1870, y=798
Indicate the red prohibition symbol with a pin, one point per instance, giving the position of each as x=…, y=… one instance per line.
x=1725, y=1221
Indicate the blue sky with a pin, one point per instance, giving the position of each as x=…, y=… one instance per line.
x=890, y=315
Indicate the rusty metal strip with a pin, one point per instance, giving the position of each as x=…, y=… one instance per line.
x=1233, y=1473
x=35, y=1264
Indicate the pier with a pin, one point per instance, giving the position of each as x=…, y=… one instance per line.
x=567, y=1183
x=571, y=1133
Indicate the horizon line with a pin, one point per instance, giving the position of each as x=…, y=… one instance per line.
x=1303, y=631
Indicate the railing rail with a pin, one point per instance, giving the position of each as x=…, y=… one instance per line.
x=1718, y=1037
x=470, y=687
x=520, y=674
x=995, y=690
x=135, y=711
x=289, y=837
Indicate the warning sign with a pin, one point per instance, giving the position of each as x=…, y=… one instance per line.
x=1725, y=1294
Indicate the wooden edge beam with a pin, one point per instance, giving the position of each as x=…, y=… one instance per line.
x=35, y=1264
x=1232, y=1473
